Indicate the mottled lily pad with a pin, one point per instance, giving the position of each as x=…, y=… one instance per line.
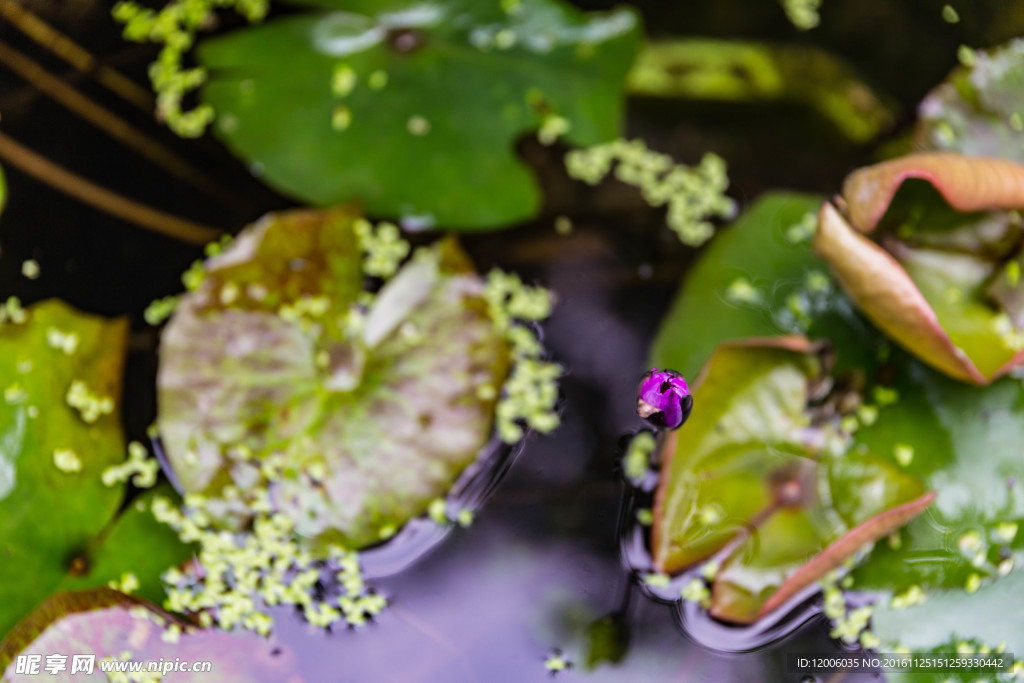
x=363, y=416
x=743, y=483
x=978, y=109
x=59, y=526
x=939, y=273
x=371, y=118
x=108, y=625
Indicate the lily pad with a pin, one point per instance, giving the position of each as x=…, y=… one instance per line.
x=133, y=543
x=362, y=416
x=743, y=485
x=977, y=110
x=965, y=447
x=759, y=278
x=981, y=622
x=940, y=581
x=371, y=118
x=57, y=513
x=108, y=625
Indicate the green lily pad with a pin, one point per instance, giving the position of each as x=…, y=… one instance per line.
x=965, y=443
x=371, y=117
x=108, y=625
x=362, y=417
x=744, y=484
x=58, y=527
x=981, y=622
x=759, y=278
x=724, y=459
x=940, y=581
x=120, y=549
x=978, y=110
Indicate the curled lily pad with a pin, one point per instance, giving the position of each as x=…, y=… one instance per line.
x=378, y=81
x=275, y=370
x=941, y=274
x=967, y=184
x=742, y=484
x=102, y=625
x=978, y=109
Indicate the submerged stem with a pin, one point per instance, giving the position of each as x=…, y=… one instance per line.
x=112, y=124
x=86, y=191
x=74, y=54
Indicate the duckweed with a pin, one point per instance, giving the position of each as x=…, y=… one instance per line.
x=636, y=462
x=803, y=13
x=91, y=406
x=30, y=269
x=175, y=27
x=694, y=195
x=139, y=467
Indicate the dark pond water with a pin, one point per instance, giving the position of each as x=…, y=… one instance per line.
x=542, y=562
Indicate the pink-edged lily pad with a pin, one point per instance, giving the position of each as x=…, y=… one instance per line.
x=103, y=624
x=935, y=273
x=742, y=481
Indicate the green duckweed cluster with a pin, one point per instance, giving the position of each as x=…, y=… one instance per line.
x=30, y=269
x=139, y=467
x=803, y=230
x=693, y=195
x=12, y=312
x=67, y=461
x=175, y=27
x=637, y=460
x=695, y=590
x=62, y=341
x=557, y=662
x=848, y=625
x=244, y=573
x=530, y=392
x=383, y=247
x=160, y=310
x=90, y=405
x=698, y=588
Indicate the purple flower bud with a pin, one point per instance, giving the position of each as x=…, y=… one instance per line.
x=663, y=398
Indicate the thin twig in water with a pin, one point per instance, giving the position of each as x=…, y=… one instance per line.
x=436, y=636
x=113, y=125
x=146, y=217
x=75, y=55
